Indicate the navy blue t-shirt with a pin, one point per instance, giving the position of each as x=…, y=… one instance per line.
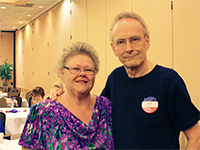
x=150, y=111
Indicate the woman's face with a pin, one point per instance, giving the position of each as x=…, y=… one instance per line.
x=78, y=75
x=36, y=99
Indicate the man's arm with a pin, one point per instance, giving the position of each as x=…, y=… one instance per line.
x=193, y=137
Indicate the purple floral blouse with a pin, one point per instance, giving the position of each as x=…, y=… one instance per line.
x=50, y=125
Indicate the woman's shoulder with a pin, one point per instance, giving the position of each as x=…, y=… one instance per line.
x=46, y=105
x=103, y=100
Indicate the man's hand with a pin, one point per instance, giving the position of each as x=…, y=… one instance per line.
x=54, y=93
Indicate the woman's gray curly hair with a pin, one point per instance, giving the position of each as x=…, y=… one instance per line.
x=78, y=48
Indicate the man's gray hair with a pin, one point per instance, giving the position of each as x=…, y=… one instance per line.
x=128, y=15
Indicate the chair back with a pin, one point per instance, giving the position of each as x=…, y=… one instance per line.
x=3, y=119
x=14, y=92
x=3, y=89
x=30, y=101
x=19, y=101
x=28, y=98
x=3, y=102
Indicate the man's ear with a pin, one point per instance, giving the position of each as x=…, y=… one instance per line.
x=113, y=48
x=147, y=42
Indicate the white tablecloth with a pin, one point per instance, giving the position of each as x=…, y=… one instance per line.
x=10, y=145
x=3, y=95
x=15, y=121
x=24, y=103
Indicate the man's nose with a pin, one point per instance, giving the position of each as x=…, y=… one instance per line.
x=129, y=47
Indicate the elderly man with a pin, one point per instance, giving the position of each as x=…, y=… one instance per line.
x=150, y=103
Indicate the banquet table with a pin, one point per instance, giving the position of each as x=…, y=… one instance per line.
x=10, y=145
x=24, y=101
x=3, y=95
x=15, y=121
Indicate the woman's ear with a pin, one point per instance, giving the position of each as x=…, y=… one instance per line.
x=62, y=72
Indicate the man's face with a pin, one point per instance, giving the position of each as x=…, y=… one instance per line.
x=129, y=42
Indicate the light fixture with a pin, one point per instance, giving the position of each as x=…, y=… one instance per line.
x=20, y=22
x=3, y=7
x=40, y=6
x=29, y=15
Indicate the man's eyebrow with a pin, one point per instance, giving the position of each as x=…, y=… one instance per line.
x=135, y=36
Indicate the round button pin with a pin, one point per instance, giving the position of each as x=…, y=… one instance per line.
x=150, y=104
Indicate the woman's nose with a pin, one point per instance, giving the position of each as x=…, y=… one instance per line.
x=82, y=72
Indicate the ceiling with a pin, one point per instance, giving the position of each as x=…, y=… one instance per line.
x=18, y=13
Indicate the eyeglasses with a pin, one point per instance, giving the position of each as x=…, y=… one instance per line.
x=77, y=70
x=122, y=43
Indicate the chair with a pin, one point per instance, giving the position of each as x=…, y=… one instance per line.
x=3, y=119
x=28, y=98
x=14, y=92
x=11, y=94
x=30, y=102
x=3, y=89
x=3, y=102
x=19, y=101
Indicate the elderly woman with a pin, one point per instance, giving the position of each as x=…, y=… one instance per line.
x=77, y=119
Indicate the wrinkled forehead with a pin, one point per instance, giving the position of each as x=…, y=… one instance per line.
x=79, y=57
x=127, y=27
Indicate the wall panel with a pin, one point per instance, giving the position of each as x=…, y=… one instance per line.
x=113, y=7
x=79, y=20
x=39, y=45
x=186, y=45
x=6, y=49
x=58, y=33
x=158, y=16
x=186, y=37
x=96, y=37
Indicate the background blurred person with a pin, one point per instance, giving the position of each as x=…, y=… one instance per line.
x=37, y=95
x=53, y=90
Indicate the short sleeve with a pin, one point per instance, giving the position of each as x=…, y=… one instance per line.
x=32, y=132
x=182, y=111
